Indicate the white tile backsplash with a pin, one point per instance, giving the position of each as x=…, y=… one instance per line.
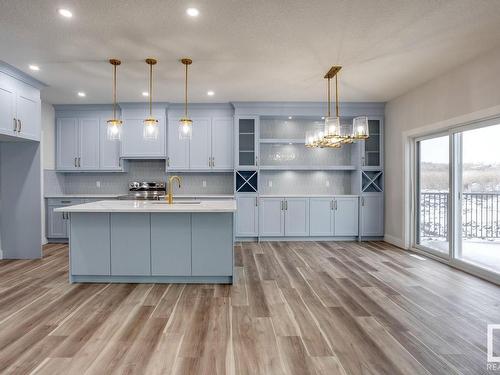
x=305, y=182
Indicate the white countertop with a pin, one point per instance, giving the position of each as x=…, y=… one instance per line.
x=90, y=196
x=228, y=205
x=307, y=195
x=112, y=196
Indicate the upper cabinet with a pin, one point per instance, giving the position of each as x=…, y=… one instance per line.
x=372, y=150
x=20, y=111
x=81, y=142
x=210, y=149
x=134, y=146
x=247, y=139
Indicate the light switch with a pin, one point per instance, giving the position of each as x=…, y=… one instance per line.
x=270, y=183
x=98, y=184
x=327, y=183
x=204, y=183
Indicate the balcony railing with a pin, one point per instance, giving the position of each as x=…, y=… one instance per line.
x=480, y=215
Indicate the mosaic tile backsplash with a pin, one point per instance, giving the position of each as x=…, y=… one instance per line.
x=138, y=170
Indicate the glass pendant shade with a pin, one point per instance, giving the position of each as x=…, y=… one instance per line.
x=360, y=127
x=332, y=127
x=185, y=128
x=114, y=130
x=345, y=133
x=151, y=130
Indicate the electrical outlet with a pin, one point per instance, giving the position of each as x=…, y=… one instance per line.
x=98, y=184
x=327, y=183
x=204, y=183
x=270, y=183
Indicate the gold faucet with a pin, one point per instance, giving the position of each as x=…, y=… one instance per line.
x=170, y=194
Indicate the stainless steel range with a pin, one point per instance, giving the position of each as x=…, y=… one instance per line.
x=145, y=191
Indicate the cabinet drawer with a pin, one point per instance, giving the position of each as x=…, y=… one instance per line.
x=64, y=202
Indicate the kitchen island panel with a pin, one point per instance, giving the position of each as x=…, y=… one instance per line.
x=212, y=244
x=171, y=244
x=130, y=244
x=90, y=244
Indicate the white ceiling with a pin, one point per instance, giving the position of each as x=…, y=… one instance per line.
x=246, y=50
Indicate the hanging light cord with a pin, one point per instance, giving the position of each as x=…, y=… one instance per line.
x=114, y=92
x=186, y=93
x=336, y=95
x=328, y=90
x=150, y=90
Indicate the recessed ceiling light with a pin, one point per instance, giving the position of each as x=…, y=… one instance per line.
x=36, y=68
x=210, y=93
x=289, y=117
x=192, y=12
x=145, y=93
x=65, y=13
x=322, y=117
x=81, y=94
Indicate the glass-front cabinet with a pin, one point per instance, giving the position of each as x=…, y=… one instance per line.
x=247, y=142
x=371, y=153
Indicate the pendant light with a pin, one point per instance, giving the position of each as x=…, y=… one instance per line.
x=151, y=129
x=114, y=125
x=332, y=124
x=185, y=123
x=334, y=134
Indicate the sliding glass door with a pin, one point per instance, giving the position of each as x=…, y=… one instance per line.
x=433, y=191
x=478, y=191
x=457, y=196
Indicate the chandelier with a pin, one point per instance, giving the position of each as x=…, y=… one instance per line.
x=334, y=134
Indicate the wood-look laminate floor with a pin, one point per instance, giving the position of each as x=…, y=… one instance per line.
x=297, y=308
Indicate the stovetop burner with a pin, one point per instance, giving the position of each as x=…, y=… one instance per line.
x=145, y=191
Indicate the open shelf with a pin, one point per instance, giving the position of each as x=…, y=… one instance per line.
x=308, y=168
x=275, y=140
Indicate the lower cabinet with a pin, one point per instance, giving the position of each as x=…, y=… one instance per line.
x=171, y=244
x=283, y=217
x=56, y=224
x=372, y=215
x=247, y=216
x=335, y=216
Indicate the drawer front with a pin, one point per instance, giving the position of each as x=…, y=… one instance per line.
x=64, y=202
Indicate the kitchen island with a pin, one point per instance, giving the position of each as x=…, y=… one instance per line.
x=151, y=241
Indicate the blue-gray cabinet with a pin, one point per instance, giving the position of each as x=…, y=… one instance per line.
x=130, y=244
x=247, y=142
x=321, y=217
x=334, y=216
x=77, y=143
x=271, y=217
x=372, y=215
x=20, y=113
x=109, y=150
x=212, y=244
x=171, y=244
x=247, y=215
x=210, y=149
x=56, y=226
x=133, y=144
x=296, y=211
x=90, y=244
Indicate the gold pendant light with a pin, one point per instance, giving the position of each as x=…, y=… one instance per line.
x=334, y=134
x=151, y=128
x=114, y=125
x=185, y=123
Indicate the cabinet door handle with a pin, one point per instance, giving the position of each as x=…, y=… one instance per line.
x=286, y=205
x=335, y=205
x=20, y=126
x=362, y=201
x=281, y=205
x=15, y=125
x=256, y=160
x=79, y=162
x=213, y=161
x=256, y=201
x=75, y=163
x=168, y=161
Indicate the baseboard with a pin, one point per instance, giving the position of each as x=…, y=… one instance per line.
x=1, y=254
x=398, y=242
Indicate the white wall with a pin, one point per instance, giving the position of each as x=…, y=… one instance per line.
x=467, y=93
